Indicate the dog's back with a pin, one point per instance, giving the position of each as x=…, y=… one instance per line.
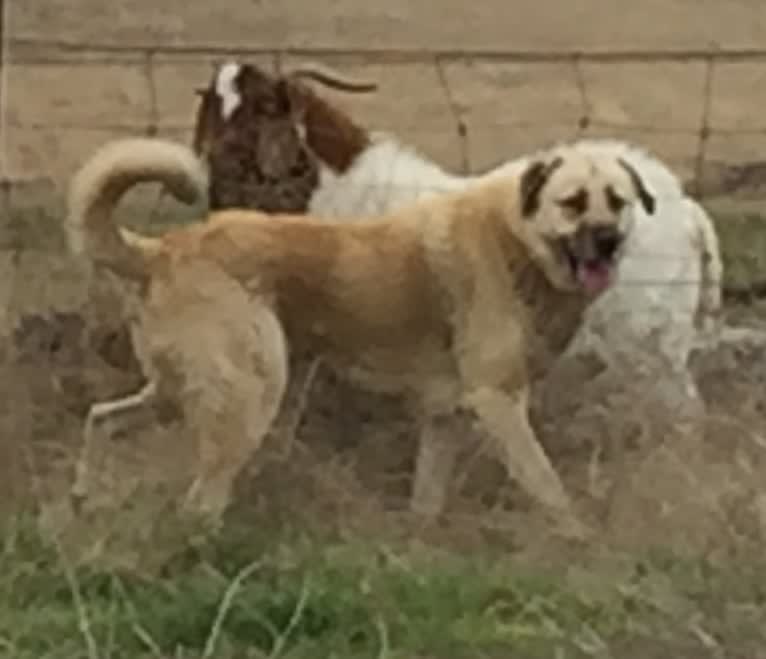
x=342, y=290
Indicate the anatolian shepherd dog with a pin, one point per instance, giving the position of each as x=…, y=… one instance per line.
x=460, y=300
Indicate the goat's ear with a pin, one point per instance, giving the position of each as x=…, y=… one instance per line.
x=207, y=119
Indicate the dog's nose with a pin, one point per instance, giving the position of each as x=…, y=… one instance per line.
x=606, y=241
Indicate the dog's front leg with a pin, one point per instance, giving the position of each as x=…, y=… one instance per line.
x=505, y=416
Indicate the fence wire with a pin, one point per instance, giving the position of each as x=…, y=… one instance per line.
x=709, y=177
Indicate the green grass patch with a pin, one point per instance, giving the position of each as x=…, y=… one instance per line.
x=297, y=596
x=743, y=246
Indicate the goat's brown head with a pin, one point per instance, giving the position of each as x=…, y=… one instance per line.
x=233, y=90
x=262, y=135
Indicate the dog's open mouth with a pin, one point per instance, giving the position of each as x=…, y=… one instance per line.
x=594, y=276
x=591, y=257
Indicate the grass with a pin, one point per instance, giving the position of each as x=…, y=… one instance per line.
x=297, y=596
x=742, y=234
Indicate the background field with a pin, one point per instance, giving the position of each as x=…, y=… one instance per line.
x=318, y=558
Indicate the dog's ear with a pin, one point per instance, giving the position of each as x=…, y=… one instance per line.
x=647, y=200
x=533, y=180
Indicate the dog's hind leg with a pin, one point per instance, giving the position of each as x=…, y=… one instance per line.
x=438, y=446
x=232, y=406
x=117, y=414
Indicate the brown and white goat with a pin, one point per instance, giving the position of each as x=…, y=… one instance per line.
x=260, y=154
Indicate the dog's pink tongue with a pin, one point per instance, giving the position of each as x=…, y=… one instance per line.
x=594, y=277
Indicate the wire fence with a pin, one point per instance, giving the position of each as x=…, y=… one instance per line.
x=707, y=172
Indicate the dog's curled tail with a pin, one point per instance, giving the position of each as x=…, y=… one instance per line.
x=100, y=183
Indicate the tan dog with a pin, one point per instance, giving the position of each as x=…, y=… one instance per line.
x=461, y=300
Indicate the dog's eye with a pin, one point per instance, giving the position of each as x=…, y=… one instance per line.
x=614, y=201
x=576, y=203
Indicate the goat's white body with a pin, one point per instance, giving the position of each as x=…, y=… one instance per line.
x=661, y=287
x=387, y=175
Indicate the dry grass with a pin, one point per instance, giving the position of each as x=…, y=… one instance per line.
x=318, y=558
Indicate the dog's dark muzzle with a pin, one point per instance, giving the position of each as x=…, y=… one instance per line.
x=591, y=253
x=593, y=245
x=606, y=241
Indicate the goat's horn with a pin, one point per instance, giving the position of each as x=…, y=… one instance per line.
x=331, y=78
